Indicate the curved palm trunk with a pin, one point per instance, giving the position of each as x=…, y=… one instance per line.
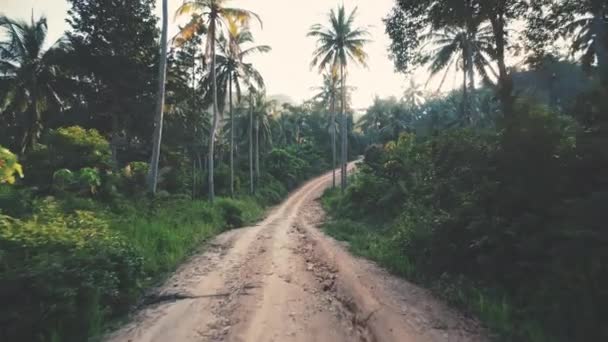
x=231, y=137
x=160, y=103
x=251, y=189
x=215, y=112
x=333, y=139
x=344, y=130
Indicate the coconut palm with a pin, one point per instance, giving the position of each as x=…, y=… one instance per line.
x=232, y=72
x=262, y=112
x=414, y=95
x=30, y=76
x=337, y=44
x=587, y=28
x=469, y=48
x=160, y=103
x=212, y=14
x=328, y=94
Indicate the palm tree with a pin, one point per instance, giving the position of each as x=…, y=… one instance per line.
x=160, y=103
x=212, y=13
x=250, y=134
x=337, y=44
x=327, y=95
x=232, y=71
x=469, y=48
x=587, y=27
x=262, y=111
x=413, y=95
x=30, y=76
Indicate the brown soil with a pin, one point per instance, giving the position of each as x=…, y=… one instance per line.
x=283, y=280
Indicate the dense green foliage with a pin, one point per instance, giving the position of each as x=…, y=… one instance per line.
x=80, y=237
x=75, y=263
x=9, y=167
x=77, y=250
x=518, y=211
x=494, y=195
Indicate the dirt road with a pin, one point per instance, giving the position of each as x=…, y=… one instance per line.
x=283, y=280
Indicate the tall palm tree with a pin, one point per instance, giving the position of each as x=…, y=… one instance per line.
x=337, y=44
x=30, y=76
x=233, y=71
x=212, y=13
x=262, y=112
x=250, y=134
x=468, y=48
x=160, y=102
x=328, y=95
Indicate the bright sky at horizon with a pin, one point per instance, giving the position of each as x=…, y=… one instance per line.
x=286, y=68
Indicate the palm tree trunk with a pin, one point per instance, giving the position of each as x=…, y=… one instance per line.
x=231, y=137
x=344, y=129
x=215, y=112
x=465, y=97
x=332, y=126
x=505, y=82
x=470, y=74
x=599, y=42
x=160, y=104
x=251, y=189
x=193, y=177
x=257, y=152
x=30, y=136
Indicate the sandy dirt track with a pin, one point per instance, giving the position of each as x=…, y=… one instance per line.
x=283, y=280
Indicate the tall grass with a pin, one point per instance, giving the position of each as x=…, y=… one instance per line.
x=75, y=265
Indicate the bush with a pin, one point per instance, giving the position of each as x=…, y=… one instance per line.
x=85, y=181
x=135, y=175
x=74, y=264
x=271, y=192
x=506, y=211
x=286, y=167
x=72, y=148
x=15, y=201
x=237, y=213
x=59, y=271
x=9, y=167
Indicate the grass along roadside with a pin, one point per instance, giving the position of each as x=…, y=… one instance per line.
x=373, y=239
x=76, y=265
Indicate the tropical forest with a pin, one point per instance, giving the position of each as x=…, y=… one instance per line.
x=267, y=170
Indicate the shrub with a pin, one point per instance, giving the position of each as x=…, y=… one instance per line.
x=76, y=147
x=71, y=148
x=63, y=179
x=272, y=191
x=9, y=167
x=58, y=271
x=89, y=179
x=286, y=167
x=135, y=175
x=15, y=201
x=85, y=181
x=506, y=210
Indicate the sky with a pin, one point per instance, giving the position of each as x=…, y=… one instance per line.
x=286, y=69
